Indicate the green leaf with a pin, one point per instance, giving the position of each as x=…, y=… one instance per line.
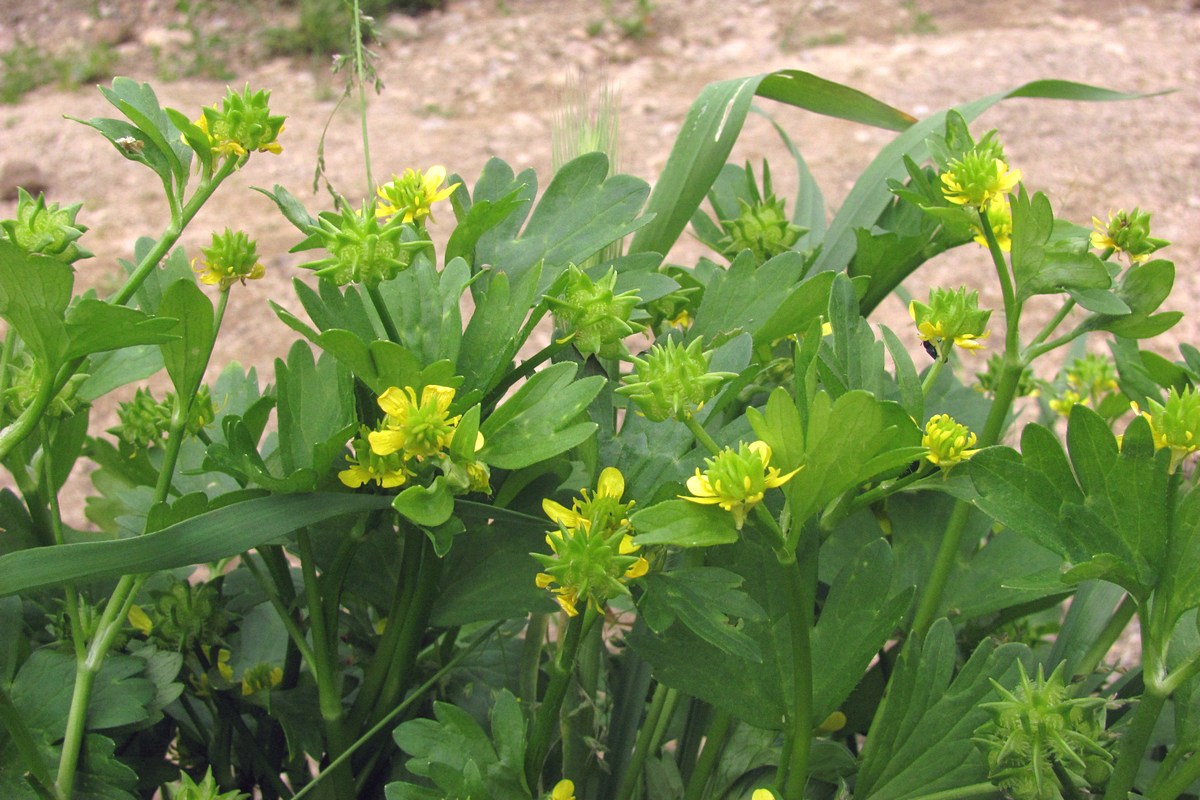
x=747, y=296
x=869, y=196
x=427, y=506
x=214, y=535
x=1040, y=268
x=921, y=743
x=684, y=524
x=238, y=456
x=43, y=688
x=491, y=339
x=1143, y=289
x=34, y=292
x=94, y=326
x=148, y=152
x=708, y=601
x=1181, y=566
x=582, y=211
x=186, y=358
x=139, y=104
x=481, y=217
x=542, y=419
x=314, y=409
x=1106, y=509
x=712, y=126
x=489, y=573
x=858, y=617
x=425, y=306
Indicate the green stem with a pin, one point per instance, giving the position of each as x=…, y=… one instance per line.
x=531, y=659
x=1054, y=322
x=329, y=690
x=664, y=719
x=281, y=608
x=641, y=748
x=385, y=316
x=974, y=790
x=934, y=370
x=1012, y=309
x=78, y=637
x=1108, y=636
x=360, y=69
x=390, y=717
x=801, y=577
x=931, y=594
x=384, y=658
x=1134, y=740
x=884, y=490
x=23, y=739
x=701, y=435
x=1179, y=781
x=546, y=719
x=719, y=729
x=6, y=356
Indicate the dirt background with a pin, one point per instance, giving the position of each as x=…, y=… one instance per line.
x=483, y=78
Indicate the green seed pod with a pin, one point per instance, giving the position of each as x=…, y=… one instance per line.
x=362, y=248
x=763, y=228
x=672, y=381
x=45, y=228
x=591, y=313
x=243, y=124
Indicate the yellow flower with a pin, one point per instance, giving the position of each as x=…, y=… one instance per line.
x=413, y=196
x=951, y=316
x=1127, y=232
x=260, y=677
x=977, y=178
x=947, y=441
x=563, y=790
x=232, y=257
x=607, y=498
x=140, y=620
x=763, y=794
x=999, y=217
x=1175, y=424
x=389, y=471
x=418, y=428
x=737, y=480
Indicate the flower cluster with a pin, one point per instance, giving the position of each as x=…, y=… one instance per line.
x=243, y=124
x=952, y=317
x=415, y=434
x=1175, y=424
x=737, y=480
x=948, y=442
x=593, y=315
x=1127, y=232
x=26, y=375
x=671, y=381
x=979, y=176
x=231, y=257
x=593, y=550
x=763, y=228
x=45, y=228
x=361, y=248
x=410, y=198
x=1040, y=735
x=1090, y=380
x=145, y=421
x=207, y=789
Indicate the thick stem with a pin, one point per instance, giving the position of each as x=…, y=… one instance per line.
x=641, y=748
x=385, y=316
x=1103, y=643
x=701, y=435
x=329, y=689
x=719, y=729
x=546, y=719
x=1134, y=741
x=801, y=577
x=934, y=370
x=1178, y=781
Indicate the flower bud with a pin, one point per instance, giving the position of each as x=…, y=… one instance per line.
x=361, y=248
x=45, y=228
x=763, y=228
x=207, y=789
x=243, y=124
x=736, y=480
x=952, y=317
x=232, y=257
x=1039, y=734
x=596, y=318
x=1176, y=424
x=672, y=381
x=979, y=176
x=1127, y=232
x=947, y=441
x=411, y=198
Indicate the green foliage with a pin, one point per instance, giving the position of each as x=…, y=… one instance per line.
x=735, y=562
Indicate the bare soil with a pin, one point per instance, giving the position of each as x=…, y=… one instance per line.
x=482, y=78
